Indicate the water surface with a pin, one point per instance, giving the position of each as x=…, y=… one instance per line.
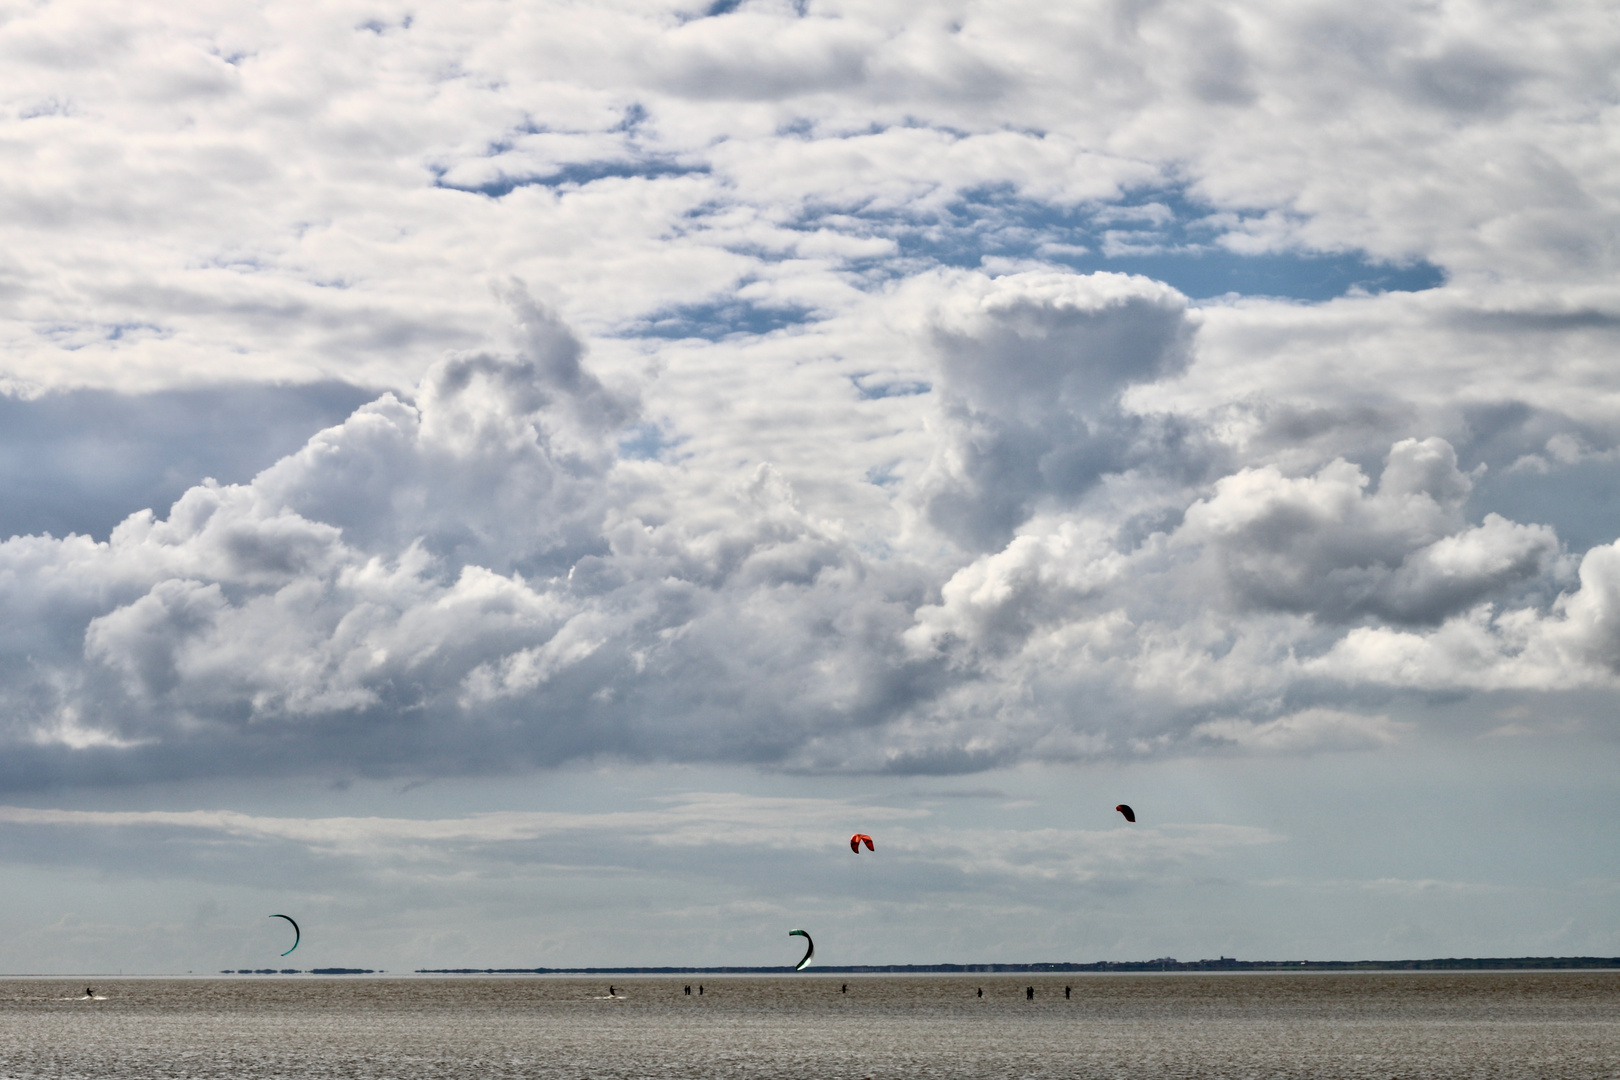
x=1426, y=1025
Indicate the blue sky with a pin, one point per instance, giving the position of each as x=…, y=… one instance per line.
x=520, y=487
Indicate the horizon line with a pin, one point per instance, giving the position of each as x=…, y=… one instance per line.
x=1517, y=963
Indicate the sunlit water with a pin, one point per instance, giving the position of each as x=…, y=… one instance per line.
x=1409, y=1025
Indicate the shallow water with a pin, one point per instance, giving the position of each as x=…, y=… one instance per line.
x=1378, y=1026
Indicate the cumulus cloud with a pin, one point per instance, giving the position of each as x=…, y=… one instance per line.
x=477, y=576
x=1574, y=643
x=1032, y=367
x=468, y=557
x=1326, y=546
x=877, y=458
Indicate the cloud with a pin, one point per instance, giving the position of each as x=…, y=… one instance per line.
x=1323, y=545
x=168, y=224
x=1574, y=643
x=474, y=577
x=723, y=819
x=1307, y=730
x=1031, y=370
x=757, y=54
x=693, y=826
x=821, y=453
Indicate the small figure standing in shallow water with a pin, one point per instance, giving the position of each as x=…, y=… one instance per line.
x=1065, y=993
x=1029, y=993
x=981, y=991
x=89, y=991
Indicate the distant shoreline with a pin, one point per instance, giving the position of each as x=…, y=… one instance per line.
x=1516, y=963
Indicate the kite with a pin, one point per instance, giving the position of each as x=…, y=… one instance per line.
x=857, y=840
x=808, y=953
x=298, y=935
x=1130, y=815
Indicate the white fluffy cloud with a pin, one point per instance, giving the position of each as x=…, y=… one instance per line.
x=1323, y=545
x=849, y=434
x=302, y=190
x=477, y=578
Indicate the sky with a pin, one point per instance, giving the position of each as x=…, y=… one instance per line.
x=518, y=485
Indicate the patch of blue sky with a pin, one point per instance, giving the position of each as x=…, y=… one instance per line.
x=379, y=27
x=1296, y=276
x=882, y=475
x=872, y=388
x=119, y=331
x=48, y=106
x=721, y=319
x=1161, y=234
x=801, y=8
x=646, y=442
x=576, y=174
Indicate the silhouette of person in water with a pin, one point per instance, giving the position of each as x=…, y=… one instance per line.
x=845, y=990
x=700, y=989
x=612, y=992
x=1029, y=993
x=1065, y=993
x=688, y=989
x=981, y=991
x=89, y=991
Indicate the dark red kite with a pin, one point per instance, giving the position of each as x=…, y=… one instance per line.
x=857, y=840
x=1130, y=815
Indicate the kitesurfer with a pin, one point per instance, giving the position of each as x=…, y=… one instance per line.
x=89, y=991
x=612, y=992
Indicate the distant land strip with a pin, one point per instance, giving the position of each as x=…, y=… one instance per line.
x=297, y=971
x=1468, y=963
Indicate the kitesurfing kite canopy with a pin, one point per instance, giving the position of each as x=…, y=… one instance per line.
x=298, y=935
x=857, y=840
x=1130, y=815
x=808, y=953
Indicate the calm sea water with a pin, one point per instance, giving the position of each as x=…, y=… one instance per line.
x=1421, y=1026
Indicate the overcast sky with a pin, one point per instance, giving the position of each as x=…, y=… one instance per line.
x=519, y=484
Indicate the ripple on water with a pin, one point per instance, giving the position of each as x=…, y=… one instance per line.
x=1356, y=1026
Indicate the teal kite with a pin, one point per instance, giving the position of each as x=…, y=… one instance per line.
x=808, y=953
x=297, y=934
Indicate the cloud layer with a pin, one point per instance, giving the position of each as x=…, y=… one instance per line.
x=481, y=577
x=805, y=386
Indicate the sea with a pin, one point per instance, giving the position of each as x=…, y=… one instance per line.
x=1323, y=1026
